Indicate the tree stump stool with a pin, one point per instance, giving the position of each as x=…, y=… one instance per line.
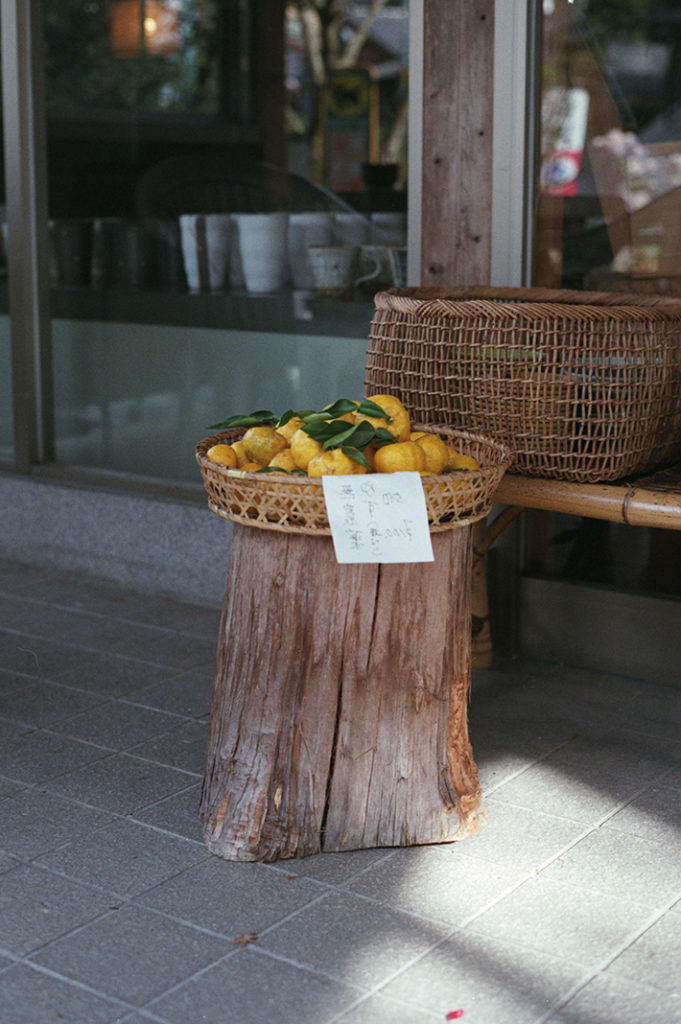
x=339, y=716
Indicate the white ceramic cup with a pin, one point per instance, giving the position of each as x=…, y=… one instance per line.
x=304, y=230
x=389, y=228
x=334, y=268
x=205, y=240
x=264, y=250
x=351, y=229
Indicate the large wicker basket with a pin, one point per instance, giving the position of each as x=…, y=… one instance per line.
x=295, y=504
x=583, y=386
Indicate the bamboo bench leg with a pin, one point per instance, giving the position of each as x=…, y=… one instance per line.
x=339, y=717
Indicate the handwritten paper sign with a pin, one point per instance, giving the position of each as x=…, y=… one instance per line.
x=380, y=517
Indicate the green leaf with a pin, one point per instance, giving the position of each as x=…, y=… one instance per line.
x=285, y=417
x=355, y=455
x=357, y=435
x=368, y=408
x=263, y=417
x=339, y=408
x=322, y=430
x=338, y=438
x=383, y=436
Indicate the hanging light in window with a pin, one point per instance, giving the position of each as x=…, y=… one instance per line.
x=144, y=27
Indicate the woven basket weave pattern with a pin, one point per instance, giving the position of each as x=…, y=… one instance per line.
x=582, y=386
x=295, y=504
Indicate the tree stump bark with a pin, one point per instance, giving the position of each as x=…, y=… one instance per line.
x=339, y=715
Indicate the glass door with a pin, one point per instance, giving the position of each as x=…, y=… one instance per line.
x=609, y=219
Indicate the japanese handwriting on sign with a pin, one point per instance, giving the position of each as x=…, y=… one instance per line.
x=381, y=519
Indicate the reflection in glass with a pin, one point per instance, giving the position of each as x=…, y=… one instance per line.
x=181, y=132
x=609, y=218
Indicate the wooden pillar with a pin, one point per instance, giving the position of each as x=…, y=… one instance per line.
x=456, y=210
x=458, y=74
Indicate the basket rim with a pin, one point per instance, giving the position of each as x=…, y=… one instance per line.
x=530, y=303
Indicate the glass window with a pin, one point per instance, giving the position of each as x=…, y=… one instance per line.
x=608, y=219
x=611, y=145
x=227, y=190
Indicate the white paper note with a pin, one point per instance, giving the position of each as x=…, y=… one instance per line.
x=378, y=517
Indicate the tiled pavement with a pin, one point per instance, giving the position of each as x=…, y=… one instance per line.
x=566, y=908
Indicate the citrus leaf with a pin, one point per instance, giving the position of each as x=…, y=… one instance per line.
x=340, y=408
x=321, y=430
x=383, y=436
x=263, y=417
x=369, y=408
x=355, y=455
x=338, y=438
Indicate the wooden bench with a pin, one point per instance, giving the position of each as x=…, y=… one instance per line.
x=653, y=500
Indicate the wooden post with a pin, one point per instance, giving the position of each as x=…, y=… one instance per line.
x=458, y=75
x=339, y=717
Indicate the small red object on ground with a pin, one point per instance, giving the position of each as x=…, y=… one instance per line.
x=454, y=1014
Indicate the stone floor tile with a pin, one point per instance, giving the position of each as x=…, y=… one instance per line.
x=521, y=838
x=232, y=898
x=178, y=814
x=37, y=906
x=39, y=704
x=34, y=619
x=616, y=863
x=38, y=757
x=112, y=674
x=438, y=882
x=655, y=957
x=35, y=821
x=142, y=1017
x=607, y=999
x=566, y=791
x=183, y=650
x=562, y=920
x=113, y=635
x=9, y=789
x=7, y=862
x=29, y=996
x=124, y=857
x=178, y=616
x=133, y=954
x=251, y=988
x=379, y=1010
x=602, y=748
x=353, y=939
x=334, y=868
x=654, y=815
x=493, y=982
x=655, y=712
x=186, y=694
x=79, y=667
x=121, y=783
x=184, y=747
x=118, y=724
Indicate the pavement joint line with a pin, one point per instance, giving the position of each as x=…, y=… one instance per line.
x=102, y=652
x=107, y=616
x=114, y=1000
x=597, y=971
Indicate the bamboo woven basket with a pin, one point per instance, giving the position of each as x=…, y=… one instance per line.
x=295, y=504
x=583, y=386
